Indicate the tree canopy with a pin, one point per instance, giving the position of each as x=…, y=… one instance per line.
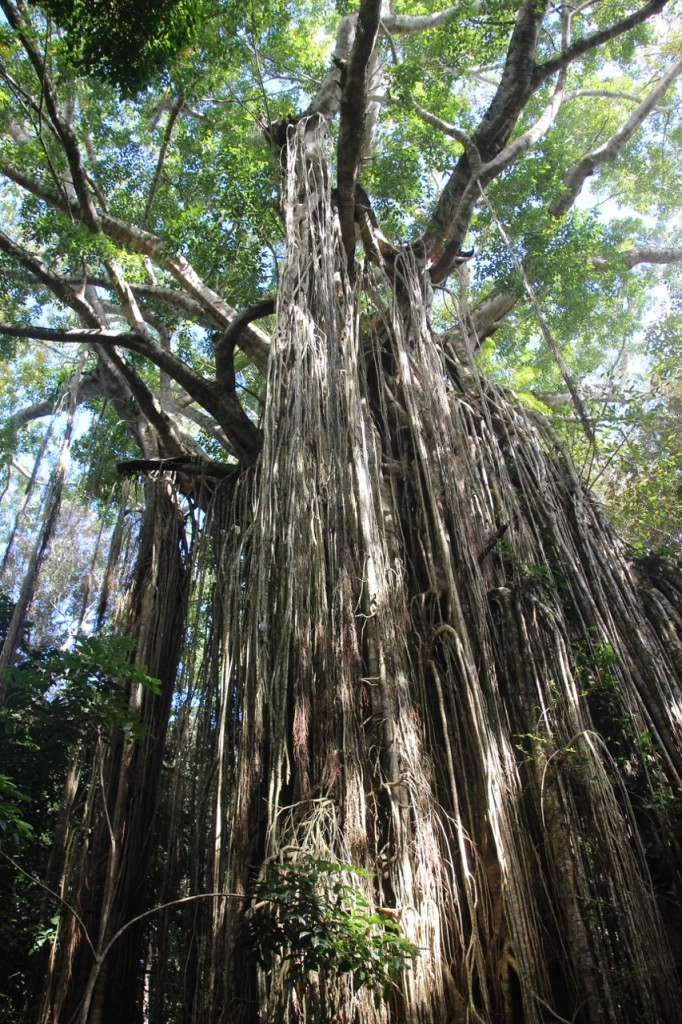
x=167, y=203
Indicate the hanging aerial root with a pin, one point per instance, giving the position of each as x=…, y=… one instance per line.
x=382, y=685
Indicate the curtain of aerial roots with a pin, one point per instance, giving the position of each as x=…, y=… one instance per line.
x=434, y=666
x=103, y=849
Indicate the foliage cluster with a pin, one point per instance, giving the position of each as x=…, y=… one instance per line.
x=308, y=914
x=56, y=700
x=126, y=42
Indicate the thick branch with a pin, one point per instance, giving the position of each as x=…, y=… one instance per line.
x=444, y=235
x=191, y=381
x=138, y=340
x=181, y=405
x=353, y=108
x=491, y=312
x=607, y=153
x=485, y=318
x=60, y=288
x=145, y=400
x=406, y=25
x=131, y=310
x=601, y=94
x=36, y=188
x=484, y=173
x=635, y=257
x=328, y=98
x=511, y=153
x=252, y=342
x=224, y=406
x=225, y=343
x=327, y=101
x=169, y=443
x=116, y=388
x=27, y=415
x=177, y=300
x=521, y=77
x=191, y=465
x=89, y=387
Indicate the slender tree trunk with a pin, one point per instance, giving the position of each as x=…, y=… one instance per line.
x=107, y=843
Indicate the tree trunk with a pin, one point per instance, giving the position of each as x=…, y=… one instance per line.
x=434, y=665
x=428, y=657
x=101, y=862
